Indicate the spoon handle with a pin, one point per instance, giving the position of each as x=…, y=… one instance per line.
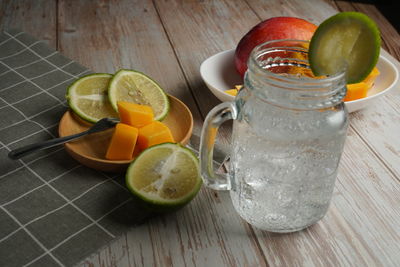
x=28, y=149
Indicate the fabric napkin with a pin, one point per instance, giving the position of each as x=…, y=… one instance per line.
x=53, y=211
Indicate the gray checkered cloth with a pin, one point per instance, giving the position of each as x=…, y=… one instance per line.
x=53, y=211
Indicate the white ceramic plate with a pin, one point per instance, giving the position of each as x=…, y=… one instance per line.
x=219, y=74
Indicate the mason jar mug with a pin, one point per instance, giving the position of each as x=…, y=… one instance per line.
x=288, y=135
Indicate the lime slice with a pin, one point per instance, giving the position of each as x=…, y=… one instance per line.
x=165, y=176
x=348, y=41
x=133, y=86
x=87, y=97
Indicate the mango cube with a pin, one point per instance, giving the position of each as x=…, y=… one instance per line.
x=371, y=77
x=360, y=90
x=356, y=91
x=122, y=143
x=135, y=115
x=232, y=92
x=153, y=134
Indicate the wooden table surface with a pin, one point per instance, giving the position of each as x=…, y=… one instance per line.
x=168, y=40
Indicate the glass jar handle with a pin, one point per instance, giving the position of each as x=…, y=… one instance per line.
x=218, y=115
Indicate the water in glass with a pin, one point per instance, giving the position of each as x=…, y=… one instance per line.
x=287, y=139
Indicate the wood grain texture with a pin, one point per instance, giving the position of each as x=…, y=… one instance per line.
x=363, y=210
x=206, y=233
x=348, y=234
x=133, y=36
x=390, y=37
x=293, y=8
x=199, y=29
x=37, y=18
x=349, y=214
x=378, y=125
x=168, y=39
x=106, y=36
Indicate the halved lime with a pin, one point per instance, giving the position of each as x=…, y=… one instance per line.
x=165, y=176
x=348, y=41
x=134, y=86
x=87, y=97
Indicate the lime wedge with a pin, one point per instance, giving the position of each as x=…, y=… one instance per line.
x=165, y=176
x=348, y=41
x=133, y=86
x=87, y=97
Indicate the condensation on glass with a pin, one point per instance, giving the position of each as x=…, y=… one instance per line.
x=287, y=139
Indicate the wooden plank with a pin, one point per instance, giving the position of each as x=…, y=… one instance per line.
x=37, y=18
x=106, y=36
x=356, y=231
x=364, y=209
x=208, y=232
x=346, y=235
x=303, y=9
x=314, y=11
x=199, y=29
x=379, y=124
x=390, y=36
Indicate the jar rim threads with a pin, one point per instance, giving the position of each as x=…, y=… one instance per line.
x=279, y=72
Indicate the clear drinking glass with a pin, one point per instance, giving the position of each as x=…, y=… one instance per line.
x=287, y=139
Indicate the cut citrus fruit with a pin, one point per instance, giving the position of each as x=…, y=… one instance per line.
x=87, y=97
x=133, y=86
x=165, y=177
x=348, y=41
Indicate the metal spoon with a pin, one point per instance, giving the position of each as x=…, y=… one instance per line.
x=99, y=126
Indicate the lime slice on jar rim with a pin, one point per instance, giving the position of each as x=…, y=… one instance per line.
x=347, y=41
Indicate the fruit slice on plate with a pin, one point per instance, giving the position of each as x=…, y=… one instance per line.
x=87, y=97
x=348, y=41
x=165, y=177
x=133, y=86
